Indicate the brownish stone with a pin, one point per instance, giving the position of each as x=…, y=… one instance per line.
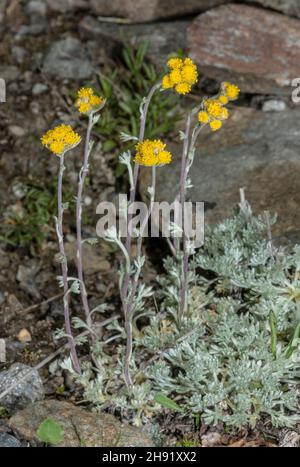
x=255, y=150
x=289, y=7
x=81, y=427
x=147, y=10
x=257, y=49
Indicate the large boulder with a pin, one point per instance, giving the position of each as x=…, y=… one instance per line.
x=163, y=37
x=67, y=58
x=256, y=48
x=148, y=10
x=289, y=7
x=256, y=150
x=81, y=427
x=26, y=389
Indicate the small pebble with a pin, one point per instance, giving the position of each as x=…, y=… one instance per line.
x=36, y=7
x=9, y=441
x=24, y=336
x=16, y=131
x=39, y=88
x=274, y=105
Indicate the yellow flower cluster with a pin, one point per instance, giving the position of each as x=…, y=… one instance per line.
x=183, y=74
x=87, y=101
x=214, y=111
x=60, y=139
x=152, y=152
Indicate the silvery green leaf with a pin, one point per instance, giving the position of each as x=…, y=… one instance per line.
x=60, y=258
x=60, y=280
x=91, y=145
x=65, y=206
x=188, y=183
x=91, y=240
x=182, y=135
x=78, y=323
x=125, y=158
x=75, y=287
x=59, y=334
x=126, y=137
x=102, y=308
x=66, y=364
x=81, y=340
x=111, y=234
x=142, y=104
x=150, y=191
x=96, y=119
x=139, y=262
x=175, y=229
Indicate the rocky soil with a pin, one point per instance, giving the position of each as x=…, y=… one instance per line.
x=48, y=48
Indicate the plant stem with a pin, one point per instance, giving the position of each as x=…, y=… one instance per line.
x=132, y=193
x=82, y=176
x=182, y=187
x=126, y=301
x=130, y=302
x=187, y=160
x=64, y=267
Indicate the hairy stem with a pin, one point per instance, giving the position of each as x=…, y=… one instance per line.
x=64, y=267
x=126, y=301
x=132, y=193
x=130, y=303
x=183, y=178
x=82, y=176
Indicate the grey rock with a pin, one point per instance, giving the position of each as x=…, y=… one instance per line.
x=9, y=441
x=93, y=262
x=17, y=131
x=39, y=88
x=19, y=53
x=64, y=6
x=36, y=7
x=9, y=73
x=149, y=10
x=163, y=37
x=254, y=150
x=289, y=438
x=233, y=42
x=25, y=392
x=79, y=425
x=11, y=309
x=274, y=105
x=67, y=58
x=26, y=276
x=289, y=7
x=35, y=29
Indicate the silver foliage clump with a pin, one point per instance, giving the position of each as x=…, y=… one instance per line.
x=234, y=357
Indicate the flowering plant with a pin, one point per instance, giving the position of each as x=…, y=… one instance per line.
x=181, y=77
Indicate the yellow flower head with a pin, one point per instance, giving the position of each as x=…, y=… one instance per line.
x=174, y=63
x=60, y=139
x=223, y=99
x=213, y=107
x=215, y=125
x=166, y=82
x=230, y=90
x=183, y=74
x=225, y=114
x=152, y=152
x=183, y=88
x=175, y=76
x=87, y=101
x=203, y=117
